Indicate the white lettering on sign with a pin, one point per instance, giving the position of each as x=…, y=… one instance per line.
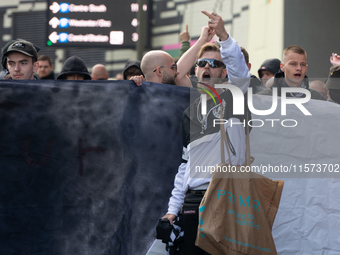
x=87, y=8
x=97, y=8
x=88, y=38
x=90, y=23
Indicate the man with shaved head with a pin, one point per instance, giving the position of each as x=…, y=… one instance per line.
x=99, y=72
x=158, y=66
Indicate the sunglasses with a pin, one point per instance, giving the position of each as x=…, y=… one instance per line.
x=173, y=67
x=213, y=63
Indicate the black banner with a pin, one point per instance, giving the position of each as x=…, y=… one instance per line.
x=86, y=167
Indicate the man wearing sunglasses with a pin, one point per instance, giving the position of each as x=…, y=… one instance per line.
x=201, y=139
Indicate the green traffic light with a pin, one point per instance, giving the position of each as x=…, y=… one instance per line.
x=49, y=43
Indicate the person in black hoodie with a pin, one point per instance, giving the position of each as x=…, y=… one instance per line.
x=74, y=68
x=132, y=68
x=268, y=69
x=294, y=68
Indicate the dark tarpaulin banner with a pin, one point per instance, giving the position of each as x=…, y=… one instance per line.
x=86, y=167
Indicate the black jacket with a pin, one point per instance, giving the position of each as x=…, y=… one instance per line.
x=256, y=84
x=51, y=76
x=279, y=82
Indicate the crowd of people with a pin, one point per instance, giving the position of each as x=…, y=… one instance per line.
x=20, y=60
x=201, y=65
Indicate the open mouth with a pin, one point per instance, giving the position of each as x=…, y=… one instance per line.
x=206, y=76
x=297, y=75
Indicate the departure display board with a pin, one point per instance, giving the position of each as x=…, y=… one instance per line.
x=94, y=23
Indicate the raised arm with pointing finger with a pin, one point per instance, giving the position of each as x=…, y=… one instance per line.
x=201, y=139
x=232, y=56
x=216, y=23
x=185, y=41
x=189, y=57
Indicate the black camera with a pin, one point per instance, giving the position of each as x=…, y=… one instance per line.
x=163, y=230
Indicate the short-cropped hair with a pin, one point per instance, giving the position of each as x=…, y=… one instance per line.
x=296, y=49
x=208, y=47
x=44, y=58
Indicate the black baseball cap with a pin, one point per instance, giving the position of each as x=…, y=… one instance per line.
x=24, y=47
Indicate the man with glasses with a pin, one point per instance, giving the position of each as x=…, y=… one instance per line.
x=158, y=66
x=201, y=139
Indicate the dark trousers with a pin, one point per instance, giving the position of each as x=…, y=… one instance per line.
x=190, y=220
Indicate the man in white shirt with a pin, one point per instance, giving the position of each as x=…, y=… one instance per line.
x=201, y=139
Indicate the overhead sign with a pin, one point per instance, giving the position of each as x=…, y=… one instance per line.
x=92, y=23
